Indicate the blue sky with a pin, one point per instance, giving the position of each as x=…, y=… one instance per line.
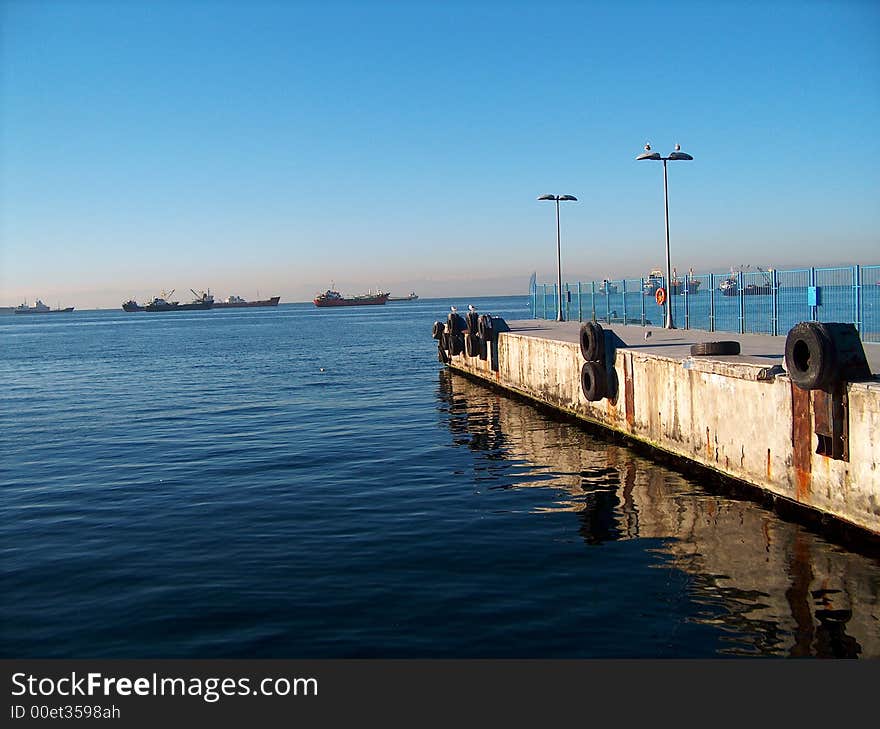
x=274, y=147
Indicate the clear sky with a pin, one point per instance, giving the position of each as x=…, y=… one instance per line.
x=271, y=148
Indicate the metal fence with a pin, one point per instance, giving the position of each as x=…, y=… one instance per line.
x=758, y=302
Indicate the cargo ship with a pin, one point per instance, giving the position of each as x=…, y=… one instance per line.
x=412, y=297
x=730, y=285
x=40, y=308
x=236, y=302
x=655, y=281
x=201, y=302
x=334, y=298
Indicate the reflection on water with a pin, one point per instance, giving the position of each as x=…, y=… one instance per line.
x=769, y=586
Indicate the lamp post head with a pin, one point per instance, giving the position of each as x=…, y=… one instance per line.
x=558, y=198
x=648, y=154
x=678, y=154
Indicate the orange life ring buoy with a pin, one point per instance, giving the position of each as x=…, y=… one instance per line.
x=660, y=296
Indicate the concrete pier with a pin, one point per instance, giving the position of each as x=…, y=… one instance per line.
x=738, y=415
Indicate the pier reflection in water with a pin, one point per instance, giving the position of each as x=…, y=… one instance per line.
x=770, y=587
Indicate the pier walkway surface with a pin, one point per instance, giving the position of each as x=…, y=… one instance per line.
x=759, y=349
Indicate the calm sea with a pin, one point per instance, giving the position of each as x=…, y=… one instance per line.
x=307, y=483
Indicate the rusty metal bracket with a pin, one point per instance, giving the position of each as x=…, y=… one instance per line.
x=768, y=374
x=831, y=421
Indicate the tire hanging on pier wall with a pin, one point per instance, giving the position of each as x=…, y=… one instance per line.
x=455, y=323
x=592, y=341
x=471, y=321
x=471, y=344
x=593, y=381
x=484, y=335
x=809, y=358
x=456, y=343
x=821, y=355
x=484, y=327
x=455, y=326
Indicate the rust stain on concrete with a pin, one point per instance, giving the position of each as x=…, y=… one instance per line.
x=610, y=412
x=769, y=477
x=801, y=442
x=629, y=392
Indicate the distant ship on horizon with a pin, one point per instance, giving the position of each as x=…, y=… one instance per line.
x=40, y=308
x=332, y=297
x=202, y=302
x=413, y=296
x=236, y=302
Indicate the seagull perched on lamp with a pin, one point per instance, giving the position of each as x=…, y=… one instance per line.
x=471, y=307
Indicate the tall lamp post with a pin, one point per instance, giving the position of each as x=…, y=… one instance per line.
x=677, y=154
x=558, y=198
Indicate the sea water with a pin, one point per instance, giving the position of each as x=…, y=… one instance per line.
x=298, y=482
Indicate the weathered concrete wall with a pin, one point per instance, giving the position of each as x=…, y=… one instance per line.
x=716, y=413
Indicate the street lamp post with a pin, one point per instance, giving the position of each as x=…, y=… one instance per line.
x=558, y=198
x=677, y=154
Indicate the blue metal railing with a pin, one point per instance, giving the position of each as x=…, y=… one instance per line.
x=754, y=302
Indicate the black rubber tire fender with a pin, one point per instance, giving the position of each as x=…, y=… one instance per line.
x=456, y=343
x=594, y=382
x=441, y=354
x=810, y=356
x=484, y=327
x=471, y=345
x=471, y=321
x=454, y=323
x=437, y=330
x=485, y=344
x=722, y=347
x=592, y=341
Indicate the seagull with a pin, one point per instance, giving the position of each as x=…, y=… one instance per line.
x=647, y=334
x=471, y=307
x=452, y=309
